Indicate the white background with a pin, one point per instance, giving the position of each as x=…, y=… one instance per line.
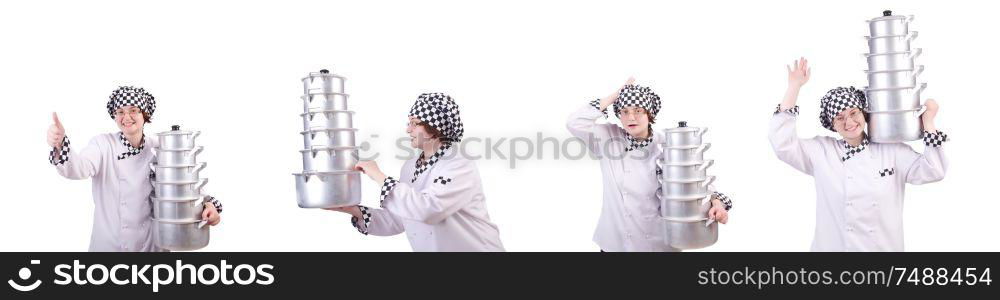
x=232, y=70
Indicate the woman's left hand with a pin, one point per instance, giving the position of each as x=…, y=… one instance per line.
x=718, y=212
x=210, y=214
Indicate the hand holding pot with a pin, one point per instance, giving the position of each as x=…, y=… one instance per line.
x=211, y=215
x=371, y=169
x=928, y=116
x=56, y=133
x=718, y=212
x=352, y=210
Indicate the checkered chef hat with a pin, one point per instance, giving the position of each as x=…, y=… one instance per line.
x=638, y=96
x=837, y=100
x=440, y=112
x=134, y=96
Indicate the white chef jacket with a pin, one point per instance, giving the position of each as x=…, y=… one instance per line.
x=444, y=209
x=859, y=201
x=123, y=213
x=630, y=216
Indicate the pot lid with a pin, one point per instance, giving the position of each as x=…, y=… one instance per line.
x=176, y=130
x=682, y=127
x=322, y=73
x=887, y=15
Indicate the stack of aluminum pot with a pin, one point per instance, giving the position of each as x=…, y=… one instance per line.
x=177, y=192
x=893, y=93
x=686, y=198
x=328, y=178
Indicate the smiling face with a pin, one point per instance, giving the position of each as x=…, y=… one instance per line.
x=850, y=123
x=635, y=120
x=130, y=119
x=420, y=134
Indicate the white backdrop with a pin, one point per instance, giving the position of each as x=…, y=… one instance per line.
x=231, y=69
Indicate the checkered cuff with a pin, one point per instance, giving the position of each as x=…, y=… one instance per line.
x=597, y=105
x=724, y=199
x=387, y=187
x=215, y=202
x=935, y=139
x=366, y=215
x=62, y=156
x=794, y=110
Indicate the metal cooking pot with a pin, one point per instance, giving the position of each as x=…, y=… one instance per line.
x=685, y=171
x=894, y=79
x=178, y=209
x=895, y=126
x=322, y=119
x=333, y=101
x=175, y=139
x=685, y=209
x=178, y=190
x=685, y=189
x=328, y=189
x=177, y=173
x=689, y=154
x=323, y=159
x=888, y=24
x=890, y=44
x=181, y=157
x=894, y=99
x=686, y=234
x=683, y=136
x=334, y=137
x=180, y=235
x=892, y=61
x=323, y=82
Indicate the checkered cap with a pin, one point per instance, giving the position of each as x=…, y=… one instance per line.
x=440, y=112
x=837, y=100
x=131, y=96
x=638, y=96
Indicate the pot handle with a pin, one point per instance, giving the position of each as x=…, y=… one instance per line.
x=909, y=18
x=704, y=147
x=702, y=131
x=912, y=35
x=708, y=181
x=920, y=89
x=202, y=184
x=707, y=164
x=916, y=52
x=193, y=154
x=201, y=166
x=196, y=134
x=920, y=69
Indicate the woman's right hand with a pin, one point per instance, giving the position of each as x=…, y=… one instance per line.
x=351, y=210
x=610, y=99
x=56, y=133
x=798, y=73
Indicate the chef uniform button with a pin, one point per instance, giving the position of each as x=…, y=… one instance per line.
x=647, y=236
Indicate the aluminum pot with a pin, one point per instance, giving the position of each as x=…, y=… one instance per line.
x=180, y=235
x=332, y=101
x=683, y=136
x=685, y=189
x=895, y=126
x=685, y=171
x=888, y=24
x=176, y=139
x=178, y=209
x=686, y=234
x=894, y=79
x=180, y=157
x=685, y=209
x=328, y=189
x=688, y=154
x=179, y=190
x=335, y=137
x=326, y=158
x=323, y=82
x=892, y=61
x=177, y=173
x=894, y=99
x=322, y=119
x=890, y=44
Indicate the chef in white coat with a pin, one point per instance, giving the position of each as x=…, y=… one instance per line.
x=438, y=200
x=118, y=165
x=630, y=216
x=859, y=185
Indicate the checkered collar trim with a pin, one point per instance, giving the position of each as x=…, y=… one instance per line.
x=129, y=149
x=851, y=151
x=422, y=165
x=634, y=143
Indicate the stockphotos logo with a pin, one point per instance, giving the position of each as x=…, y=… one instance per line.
x=155, y=276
